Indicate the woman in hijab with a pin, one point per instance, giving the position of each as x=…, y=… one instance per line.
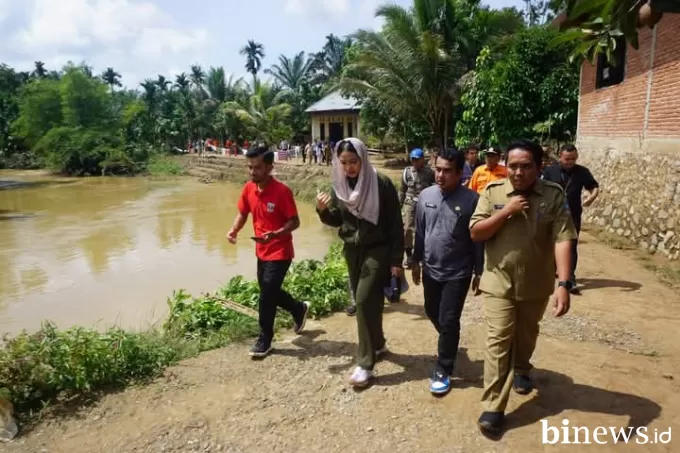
x=364, y=205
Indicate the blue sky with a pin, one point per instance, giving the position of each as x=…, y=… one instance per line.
x=144, y=38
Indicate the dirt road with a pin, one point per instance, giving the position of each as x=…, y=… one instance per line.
x=613, y=362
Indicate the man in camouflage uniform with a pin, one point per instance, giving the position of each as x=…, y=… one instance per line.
x=414, y=179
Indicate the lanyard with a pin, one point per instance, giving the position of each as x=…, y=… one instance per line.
x=566, y=183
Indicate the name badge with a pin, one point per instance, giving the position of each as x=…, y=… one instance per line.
x=430, y=205
x=498, y=206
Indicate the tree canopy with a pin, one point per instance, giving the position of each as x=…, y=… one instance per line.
x=438, y=73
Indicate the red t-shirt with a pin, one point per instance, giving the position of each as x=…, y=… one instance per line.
x=271, y=209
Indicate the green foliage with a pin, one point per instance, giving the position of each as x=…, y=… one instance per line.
x=76, y=150
x=160, y=165
x=513, y=91
x=38, y=367
x=422, y=79
x=51, y=363
x=40, y=110
x=322, y=283
x=596, y=25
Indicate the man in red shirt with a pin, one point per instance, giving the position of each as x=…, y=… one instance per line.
x=275, y=217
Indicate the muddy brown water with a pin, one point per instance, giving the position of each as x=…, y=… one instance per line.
x=109, y=251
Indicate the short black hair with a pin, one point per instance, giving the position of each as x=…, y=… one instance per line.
x=454, y=156
x=471, y=147
x=568, y=148
x=529, y=146
x=261, y=149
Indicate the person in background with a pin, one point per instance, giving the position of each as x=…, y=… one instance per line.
x=573, y=178
x=305, y=152
x=449, y=258
x=527, y=229
x=414, y=179
x=318, y=156
x=491, y=171
x=327, y=153
x=364, y=206
x=471, y=164
x=275, y=217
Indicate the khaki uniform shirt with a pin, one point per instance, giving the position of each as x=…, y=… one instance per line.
x=520, y=257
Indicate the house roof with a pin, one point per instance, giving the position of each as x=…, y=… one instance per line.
x=334, y=102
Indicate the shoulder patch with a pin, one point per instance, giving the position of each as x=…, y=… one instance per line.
x=552, y=185
x=495, y=183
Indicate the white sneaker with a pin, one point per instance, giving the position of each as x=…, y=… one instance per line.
x=360, y=377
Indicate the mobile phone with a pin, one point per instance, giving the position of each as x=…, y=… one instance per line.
x=257, y=239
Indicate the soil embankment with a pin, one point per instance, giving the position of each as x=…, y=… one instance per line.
x=303, y=180
x=612, y=362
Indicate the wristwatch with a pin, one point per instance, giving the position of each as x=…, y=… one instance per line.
x=567, y=285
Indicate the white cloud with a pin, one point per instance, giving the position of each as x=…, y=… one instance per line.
x=132, y=36
x=328, y=9
x=4, y=9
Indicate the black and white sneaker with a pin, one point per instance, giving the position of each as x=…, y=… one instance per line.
x=300, y=322
x=261, y=348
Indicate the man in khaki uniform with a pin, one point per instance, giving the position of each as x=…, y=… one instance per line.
x=527, y=227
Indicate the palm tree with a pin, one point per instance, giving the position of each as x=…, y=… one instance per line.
x=254, y=53
x=182, y=83
x=216, y=85
x=262, y=115
x=111, y=78
x=163, y=83
x=412, y=67
x=329, y=62
x=87, y=70
x=197, y=76
x=39, y=70
x=291, y=73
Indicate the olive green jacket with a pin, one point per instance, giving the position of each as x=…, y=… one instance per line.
x=362, y=233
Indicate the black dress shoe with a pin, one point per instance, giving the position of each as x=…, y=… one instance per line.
x=522, y=384
x=491, y=422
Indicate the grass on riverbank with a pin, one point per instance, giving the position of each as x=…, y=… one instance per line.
x=55, y=365
x=162, y=165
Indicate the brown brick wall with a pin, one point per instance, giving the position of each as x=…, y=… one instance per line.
x=664, y=113
x=619, y=111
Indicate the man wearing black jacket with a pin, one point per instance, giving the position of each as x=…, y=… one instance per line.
x=573, y=178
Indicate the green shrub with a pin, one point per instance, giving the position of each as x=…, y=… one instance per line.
x=37, y=368
x=160, y=165
x=322, y=283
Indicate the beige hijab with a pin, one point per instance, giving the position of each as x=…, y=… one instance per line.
x=364, y=200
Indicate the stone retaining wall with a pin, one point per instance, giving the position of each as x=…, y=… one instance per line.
x=640, y=195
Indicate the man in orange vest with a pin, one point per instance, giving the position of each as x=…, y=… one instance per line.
x=492, y=171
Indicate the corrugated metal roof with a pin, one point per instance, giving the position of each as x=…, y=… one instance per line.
x=334, y=102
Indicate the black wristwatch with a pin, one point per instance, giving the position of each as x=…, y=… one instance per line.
x=568, y=285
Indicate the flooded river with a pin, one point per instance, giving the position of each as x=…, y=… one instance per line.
x=105, y=251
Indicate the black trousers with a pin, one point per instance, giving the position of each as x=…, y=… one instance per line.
x=444, y=303
x=270, y=275
x=574, y=247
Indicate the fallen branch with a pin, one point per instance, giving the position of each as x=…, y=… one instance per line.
x=231, y=305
